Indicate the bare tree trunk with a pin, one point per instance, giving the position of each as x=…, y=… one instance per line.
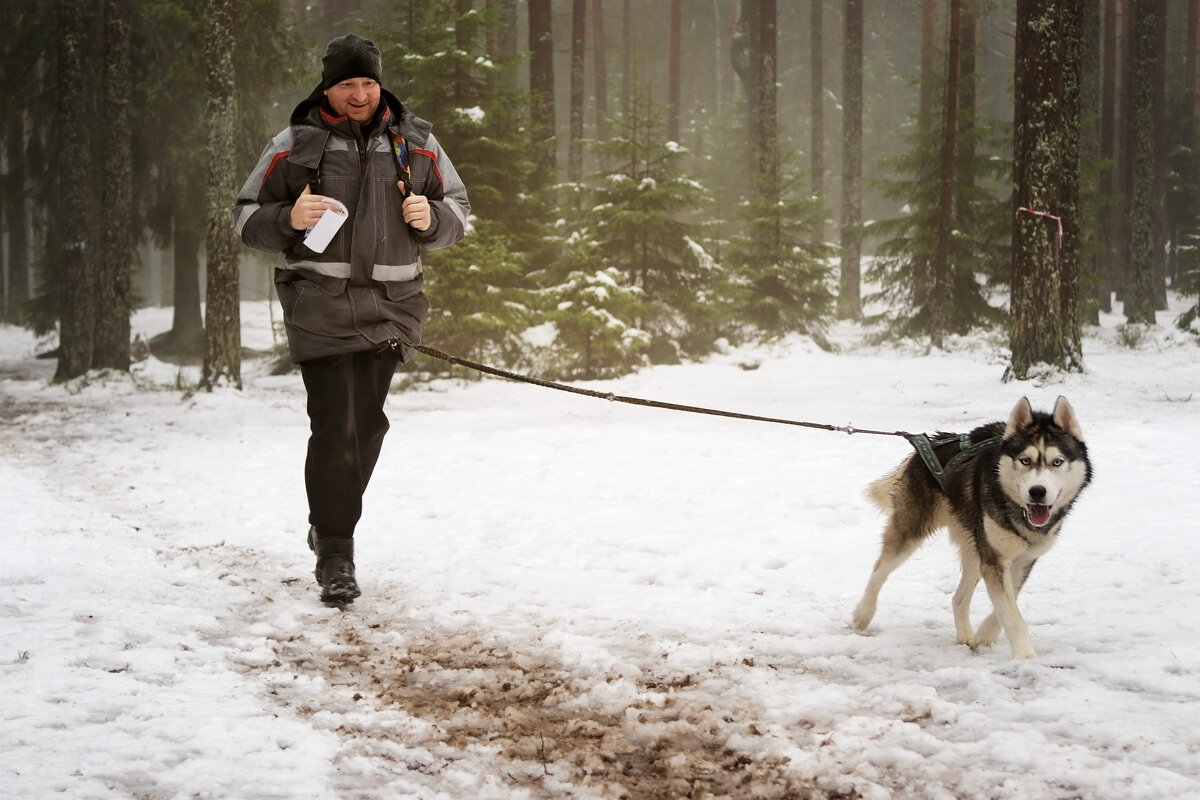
x=850, y=290
x=222, y=316
x=1181, y=212
x=816, y=105
x=575, y=129
x=767, y=103
x=600, y=62
x=1122, y=189
x=929, y=60
x=1159, y=131
x=931, y=85
x=742, y=46
x=1070, y=267
x=1107, y=216
x=627, y=58
x=965, y=145
x=114, y=305
x=1046, y=177
x=503, y=37
x=1089, y=154
x=1035, y=309
x=185, y=340
x=674, y=69
x=1144, y=169
x=464, y=35
x=72, y=207
x=541, y=86
x=753, y=52
x=939, y=313
x=1192, y=66
x=16, y=218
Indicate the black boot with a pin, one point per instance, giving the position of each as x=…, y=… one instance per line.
x=335, y=568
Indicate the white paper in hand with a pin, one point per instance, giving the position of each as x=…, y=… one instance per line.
x=319, y=235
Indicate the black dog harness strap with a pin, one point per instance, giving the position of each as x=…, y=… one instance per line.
x=927, y=450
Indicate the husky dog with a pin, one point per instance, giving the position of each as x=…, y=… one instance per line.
x=1003, y=491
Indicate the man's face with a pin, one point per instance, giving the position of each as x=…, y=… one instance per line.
x=357, y=98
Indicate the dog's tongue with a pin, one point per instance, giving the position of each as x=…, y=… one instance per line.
x=1038, y=515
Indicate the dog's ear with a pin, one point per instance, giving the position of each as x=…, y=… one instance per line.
x=1021, y=416
x=1064, y=417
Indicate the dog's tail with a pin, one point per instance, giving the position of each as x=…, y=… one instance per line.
x=882, y=492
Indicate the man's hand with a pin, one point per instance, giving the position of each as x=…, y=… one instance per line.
x=416, y=209
x=307, y=209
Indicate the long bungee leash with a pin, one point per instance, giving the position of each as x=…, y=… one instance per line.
x=637, y=401
x=924, y=446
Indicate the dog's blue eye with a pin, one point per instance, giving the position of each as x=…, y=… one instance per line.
x=1058, y=462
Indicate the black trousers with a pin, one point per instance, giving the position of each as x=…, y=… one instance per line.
x=346, y=394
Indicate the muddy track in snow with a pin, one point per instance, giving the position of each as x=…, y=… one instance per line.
x=423, y=700
x=665, y=744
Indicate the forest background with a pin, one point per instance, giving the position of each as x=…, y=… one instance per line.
x=649, y=178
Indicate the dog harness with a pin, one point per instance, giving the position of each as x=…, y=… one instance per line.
x=928, y=451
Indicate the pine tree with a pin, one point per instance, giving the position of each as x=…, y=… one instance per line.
x=978, y=248
x=780, y=273
x=478, y=288
x=589, y=316
x=637, y=216
x=483, y=123
x=479, y=298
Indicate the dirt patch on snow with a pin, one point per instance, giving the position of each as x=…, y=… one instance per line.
x=662, y=743
x=424, y=700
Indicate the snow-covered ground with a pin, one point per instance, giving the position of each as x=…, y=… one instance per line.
x=568, y=598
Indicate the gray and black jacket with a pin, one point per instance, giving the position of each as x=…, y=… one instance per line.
x=366, y=288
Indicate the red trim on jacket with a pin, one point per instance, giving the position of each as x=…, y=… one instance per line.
x=432, y=157
x=271, y=166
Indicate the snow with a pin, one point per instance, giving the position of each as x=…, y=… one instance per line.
x=570, y=598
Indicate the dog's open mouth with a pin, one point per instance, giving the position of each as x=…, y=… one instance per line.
x=1037, y=515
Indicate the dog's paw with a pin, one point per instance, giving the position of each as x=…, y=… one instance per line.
x=988, y=633
x=976, y=645
x=863, y=615
x=981, y=642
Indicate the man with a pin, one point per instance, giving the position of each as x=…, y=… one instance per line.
x=350, y=308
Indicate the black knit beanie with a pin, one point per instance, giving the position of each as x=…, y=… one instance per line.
x=350, y=56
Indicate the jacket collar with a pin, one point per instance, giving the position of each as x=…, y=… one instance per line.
x=313, y=111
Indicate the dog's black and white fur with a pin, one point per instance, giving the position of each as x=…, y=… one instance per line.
x=1004, y=505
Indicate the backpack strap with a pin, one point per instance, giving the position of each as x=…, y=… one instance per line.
x=403, y=170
